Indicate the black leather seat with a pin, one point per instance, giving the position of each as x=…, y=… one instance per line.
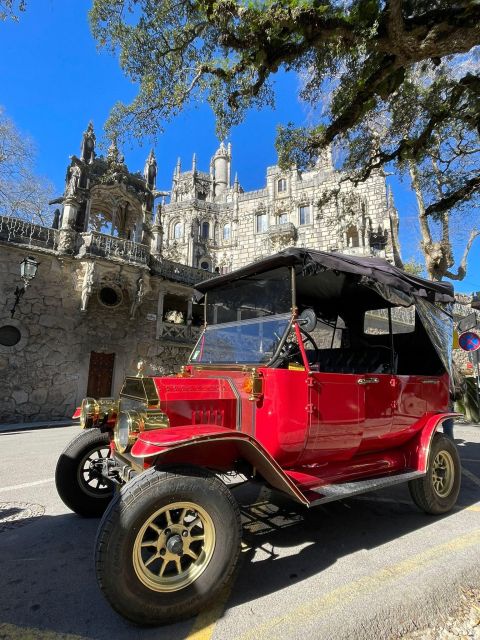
x=350, y=360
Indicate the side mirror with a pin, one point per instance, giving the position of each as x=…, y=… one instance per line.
x=308, y=320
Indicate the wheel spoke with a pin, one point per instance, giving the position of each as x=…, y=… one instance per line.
x=178, y=564
x=194, y=523
x=191, y=553
x=150, y=560
x=149, y=543
x=155, y=528
x=163, y=567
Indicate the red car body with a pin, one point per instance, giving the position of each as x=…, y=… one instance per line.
x=300, y=429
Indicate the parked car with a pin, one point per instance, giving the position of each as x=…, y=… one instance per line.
x=321, y=375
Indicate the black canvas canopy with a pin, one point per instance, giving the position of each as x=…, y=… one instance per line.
x=390, y=282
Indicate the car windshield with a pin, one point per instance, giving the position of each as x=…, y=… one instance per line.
x=246, y=342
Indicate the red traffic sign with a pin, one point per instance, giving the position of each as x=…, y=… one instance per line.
x=469, y=341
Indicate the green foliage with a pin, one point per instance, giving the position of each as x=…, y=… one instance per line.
x=414, y=268
x=407, y=67
x=11, y=8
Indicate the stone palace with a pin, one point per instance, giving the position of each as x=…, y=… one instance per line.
x=116, y=270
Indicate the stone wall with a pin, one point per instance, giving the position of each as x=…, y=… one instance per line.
x=45, y=374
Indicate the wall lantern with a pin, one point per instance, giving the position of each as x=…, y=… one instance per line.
x=28, y=271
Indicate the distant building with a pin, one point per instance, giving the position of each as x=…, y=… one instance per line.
x=211, y=223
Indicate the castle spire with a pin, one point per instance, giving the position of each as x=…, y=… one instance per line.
x=194, y=163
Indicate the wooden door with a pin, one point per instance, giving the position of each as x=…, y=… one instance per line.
x=100, y=375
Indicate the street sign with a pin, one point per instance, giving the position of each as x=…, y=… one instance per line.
x=469, y=341
x=467, y=323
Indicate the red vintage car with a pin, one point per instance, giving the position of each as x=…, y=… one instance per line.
x=321, y=375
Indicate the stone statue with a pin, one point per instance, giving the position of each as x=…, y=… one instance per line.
x=150, y=170
x=87, y=150
x=56, y=219
x=87, y=285
x=73, y=180
x=138, y=298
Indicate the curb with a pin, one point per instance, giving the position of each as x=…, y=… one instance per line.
x=32, y=426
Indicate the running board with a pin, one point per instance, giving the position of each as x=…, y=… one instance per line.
x=331, y=492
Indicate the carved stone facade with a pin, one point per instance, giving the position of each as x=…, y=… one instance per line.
x=213, y=224
x=103, y=297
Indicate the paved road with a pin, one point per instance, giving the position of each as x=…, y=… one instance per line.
x=364, y=568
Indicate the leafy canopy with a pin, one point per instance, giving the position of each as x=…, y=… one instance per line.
x=359, y=60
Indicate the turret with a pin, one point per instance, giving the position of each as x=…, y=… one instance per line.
x=221, y=169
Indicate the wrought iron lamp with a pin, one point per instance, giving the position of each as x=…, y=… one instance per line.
x=28, y=271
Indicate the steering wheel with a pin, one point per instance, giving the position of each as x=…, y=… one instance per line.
x=291, y=349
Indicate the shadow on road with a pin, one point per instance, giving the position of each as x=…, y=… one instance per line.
x=48, y=579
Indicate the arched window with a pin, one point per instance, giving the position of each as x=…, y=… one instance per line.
x=352, y=237
x=281, y=185
x=205, y=230
x=226, y=232
x=261, y=222
x=282, y=218
x=177, y=230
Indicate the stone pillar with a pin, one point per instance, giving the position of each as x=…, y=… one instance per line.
x=161, y=298
x=189, y=311
x=157, y=241
x=67, y=233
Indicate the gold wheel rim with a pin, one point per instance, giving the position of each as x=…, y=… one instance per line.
x=174, y=546
x=443, y=474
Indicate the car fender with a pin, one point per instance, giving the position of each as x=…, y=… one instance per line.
x=214, y=447
x=418, y=449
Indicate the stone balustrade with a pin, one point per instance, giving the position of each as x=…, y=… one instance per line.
x=100, y=244
x=26, y=233
x=179, y=272
x=179, y=332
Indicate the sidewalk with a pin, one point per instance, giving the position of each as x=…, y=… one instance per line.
x=43, y=424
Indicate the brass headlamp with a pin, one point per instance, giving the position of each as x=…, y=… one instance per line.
x=130, y=423
x=93, y=411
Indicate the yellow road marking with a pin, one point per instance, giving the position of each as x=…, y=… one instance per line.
x=205, y=622
x=12, y=632
x=471, y=476
x=314, y=608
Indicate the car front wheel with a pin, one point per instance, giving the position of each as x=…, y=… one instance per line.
x=438, y=490
x=167, y=545
x=78, y=483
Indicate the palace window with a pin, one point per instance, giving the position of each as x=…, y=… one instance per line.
x=261, y=222
x=282, y=218
x=352, y=237
x=204, y=265
x=281, y=185
x=304, y=214
x=205, y=233
x=226, y=232
x=177, y=230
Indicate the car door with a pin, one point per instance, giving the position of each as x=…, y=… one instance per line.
x=336, y=416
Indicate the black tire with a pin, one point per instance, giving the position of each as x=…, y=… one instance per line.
x=83, y=493
x=438, y=490
x=131, y=581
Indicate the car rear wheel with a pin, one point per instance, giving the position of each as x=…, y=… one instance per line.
x=438, y=490
x=167, y=545
x=78, y=483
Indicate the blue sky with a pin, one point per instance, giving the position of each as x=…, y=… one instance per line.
x=53, y=81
